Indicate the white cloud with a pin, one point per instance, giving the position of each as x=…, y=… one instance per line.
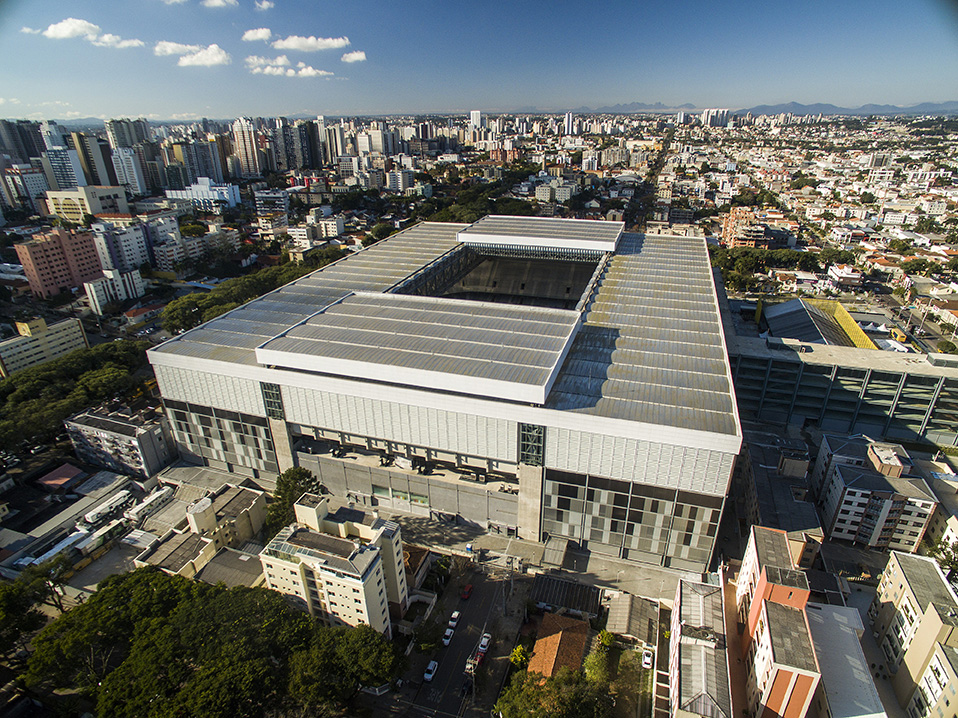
x=309, y=71
x=265, y=4
x=260, y=33
x=279, y=67
x=355, y=56
x=165, y=47
x=310, y=44
x=72, y=27
x=110, y=40
x=220, y=3
x=254, y=61
x=207, y=57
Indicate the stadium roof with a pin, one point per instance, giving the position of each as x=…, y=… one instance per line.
x=650, y=348
x=543, y=233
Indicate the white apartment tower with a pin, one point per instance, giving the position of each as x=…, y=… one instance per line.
x=245, y=147
x=128, y=171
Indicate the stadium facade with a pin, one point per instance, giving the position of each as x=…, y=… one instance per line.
x=543, y=378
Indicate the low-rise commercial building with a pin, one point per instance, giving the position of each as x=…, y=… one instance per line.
x=73, y=204
x=208, y=196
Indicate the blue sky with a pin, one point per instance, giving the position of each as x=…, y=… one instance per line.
x=185, y=59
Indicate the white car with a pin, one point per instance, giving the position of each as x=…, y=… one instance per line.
x=646, y=659
x=447, y=636
x=454, y=619
x=430, y=671
x=484, y=642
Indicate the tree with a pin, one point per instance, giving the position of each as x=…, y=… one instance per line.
x=946, y=346
x=519, y=657
x=290, y=485
x=916, y=266
x=944, y=552
x=567, y=694
x=596, y=666
x=18, y=616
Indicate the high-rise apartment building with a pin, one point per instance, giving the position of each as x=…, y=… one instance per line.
x=246, y=147
x=26, y=185
x=95, y=158
x=127, y=133
x=20, y=139
x=129, y=173
x=59, y=260
x=123, y=248
x=66, y=167
x=569, y=124
x=135, y=444
x=112, y=288
x=475, y=119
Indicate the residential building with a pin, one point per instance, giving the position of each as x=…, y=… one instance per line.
x=73, y=204
x=127, y=133
x=227, y=517
x=871, y=495
x=561, y=642
x=58, y=261
x=844, y=277
x=94, y=155
x=343, y=566
x=26, y=185
x=38, y=343
x=246, y=147
x=207, y=196
x=783, y=670
x=129, y=173
x=124, y=248
x=400, y=180
x=582, y=455
x=698, y=659
x=127, y=442
x=114, y=287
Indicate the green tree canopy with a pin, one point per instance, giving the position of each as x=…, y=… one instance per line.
x=567, y=694
x=290, y=485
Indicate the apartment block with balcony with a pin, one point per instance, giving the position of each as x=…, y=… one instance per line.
x=344, y=566
x=132, y=443
x=39, y=343
x=58, y=261
x=914, y=606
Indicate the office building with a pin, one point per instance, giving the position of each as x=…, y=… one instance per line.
x=113, y=288
x=476, y=120
x=94, y=154
x=20, y=139
x=207, y=196
x=66, y=168
x=569, y=124
x=58, y=261
x=345, y=566
x=38, y=343
x=73, y=205
x=598, y=412
x=127, y=442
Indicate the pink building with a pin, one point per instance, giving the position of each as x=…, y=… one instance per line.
x=59, y=260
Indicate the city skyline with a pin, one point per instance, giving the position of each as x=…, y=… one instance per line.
x=186, y=59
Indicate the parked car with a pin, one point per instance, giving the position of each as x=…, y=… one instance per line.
x=484, y=642
x=647, y=659
x=466, y=591
x=430, y=671
x=454, y=619
x=447, y=636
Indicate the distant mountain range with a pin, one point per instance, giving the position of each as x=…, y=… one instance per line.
x=925, y=108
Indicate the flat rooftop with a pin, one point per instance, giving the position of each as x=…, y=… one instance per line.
x=176, y=551
x=865, y=478
x=503, y=351
x=543, y=233
x=771, y=547
x=791, y=642
x=846, y=678
x=778, y=505
x=650, y=348
x=232, y=568
x=924, y=577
